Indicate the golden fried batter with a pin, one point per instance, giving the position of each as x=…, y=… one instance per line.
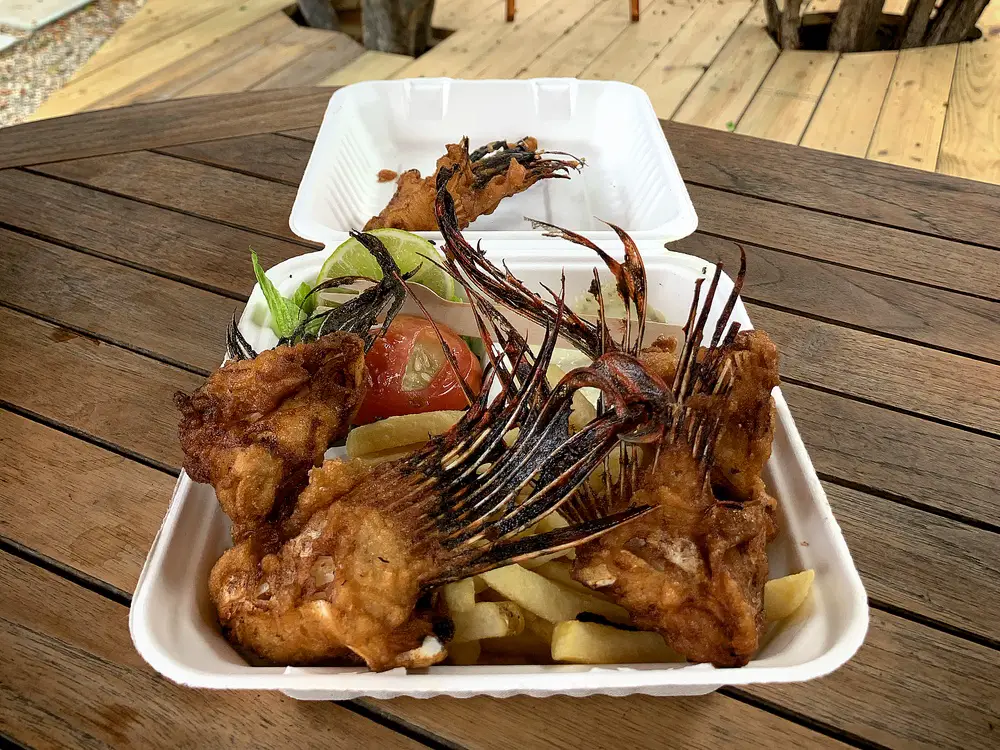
x=477, y=186
x=693, y=569
x=350, y=579
x=257, y=426
x=747, y=412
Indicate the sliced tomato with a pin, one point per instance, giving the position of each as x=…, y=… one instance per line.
x=408, y=371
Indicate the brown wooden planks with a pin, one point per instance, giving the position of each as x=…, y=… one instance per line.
x=160, y=124
x=929, y=260
x=77, y=503
x=915, y=312
x=71, y=678
x=931, y=464
x=274, y=157
x=909, y=686
x=211, y=193
x=881, y=193
x=940, y=569
x=153, y=314
x=166, y=242
x=937, y=384
x=124, y=398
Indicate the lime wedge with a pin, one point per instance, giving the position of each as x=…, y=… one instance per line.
x=352, y=259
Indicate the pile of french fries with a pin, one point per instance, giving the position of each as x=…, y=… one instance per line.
x=528, y=613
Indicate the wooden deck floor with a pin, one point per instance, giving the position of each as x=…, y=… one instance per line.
x=704, y=62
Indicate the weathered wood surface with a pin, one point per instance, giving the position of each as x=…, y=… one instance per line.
x=122, y=260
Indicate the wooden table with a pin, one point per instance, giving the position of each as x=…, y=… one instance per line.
x=123, y=253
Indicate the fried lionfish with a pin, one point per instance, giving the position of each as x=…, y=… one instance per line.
x=694, y=568
x=346, y=568
x=478, y=181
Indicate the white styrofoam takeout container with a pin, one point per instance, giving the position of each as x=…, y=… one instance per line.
x=630, y=178
x=174, y=626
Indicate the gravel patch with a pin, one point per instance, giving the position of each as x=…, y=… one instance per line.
x=43, y=61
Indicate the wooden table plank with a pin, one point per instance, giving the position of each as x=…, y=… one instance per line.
x=917, y=313
x=113, y=393
x=153, y=315
x=929, y=260
x=236, y=199
x=909, y=686
x=953, y=389
x=160, y=124
x=271, y=156
x=165, y=242
x=73, y=686
x=929, y=464
x=881, y=193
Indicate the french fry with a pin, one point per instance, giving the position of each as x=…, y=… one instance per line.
x=488, y=620
x=548, y=600
x=464, y=654
x=541, y=629
x=591, y=643
x=397, y=432
x=582, y=411
x=559, y=572
x=459, y=596
x=480, y=584
x=782, y=596
x=381, y=457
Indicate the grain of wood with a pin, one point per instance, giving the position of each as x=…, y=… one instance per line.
x=891, y=692
x=882, y=193
x=682, y=62
x=969, y=146
x=846, y=295
x=115, y=501
x=933, y=464
x=922, y=563
x=272, y=156
x=316, y=64
x=263, y=62
x=930, y=260
x=782, y=107
x=452, y=56
x=104, y=695
x=457, y=14
x=528, y=39
x=953, y=389
x=163, y=317
x=912, y=120
x=126, y=71
x=571, y=52
x=639, y=44
x=155, y=21
x=125, y=398
x=845, y=118
x=238, y=199
x=147, y=237
x=161, y=124
x=723, y=93
x=226, y=52
x=370, y=66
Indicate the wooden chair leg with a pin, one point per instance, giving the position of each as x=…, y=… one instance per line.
x=634, y=5
x=511, y=9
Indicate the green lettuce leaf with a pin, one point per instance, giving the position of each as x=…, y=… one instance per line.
x=285, y=314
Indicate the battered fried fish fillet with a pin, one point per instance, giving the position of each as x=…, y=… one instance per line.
x=258, y=425
x=478, y=183
x=694, y=568
x=747, y=411
x=348, y=581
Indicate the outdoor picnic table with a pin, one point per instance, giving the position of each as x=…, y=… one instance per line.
x=124, y=238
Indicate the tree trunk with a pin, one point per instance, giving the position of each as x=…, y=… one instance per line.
x=955, y=21
x=918, y=16
x=319, y=14
x=855, y=26
x=400, y=26
x=773, y=16
x=790, y=25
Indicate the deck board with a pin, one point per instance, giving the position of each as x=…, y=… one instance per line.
x=970, y=145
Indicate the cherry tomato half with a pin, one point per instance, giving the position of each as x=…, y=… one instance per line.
x=408, y=372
